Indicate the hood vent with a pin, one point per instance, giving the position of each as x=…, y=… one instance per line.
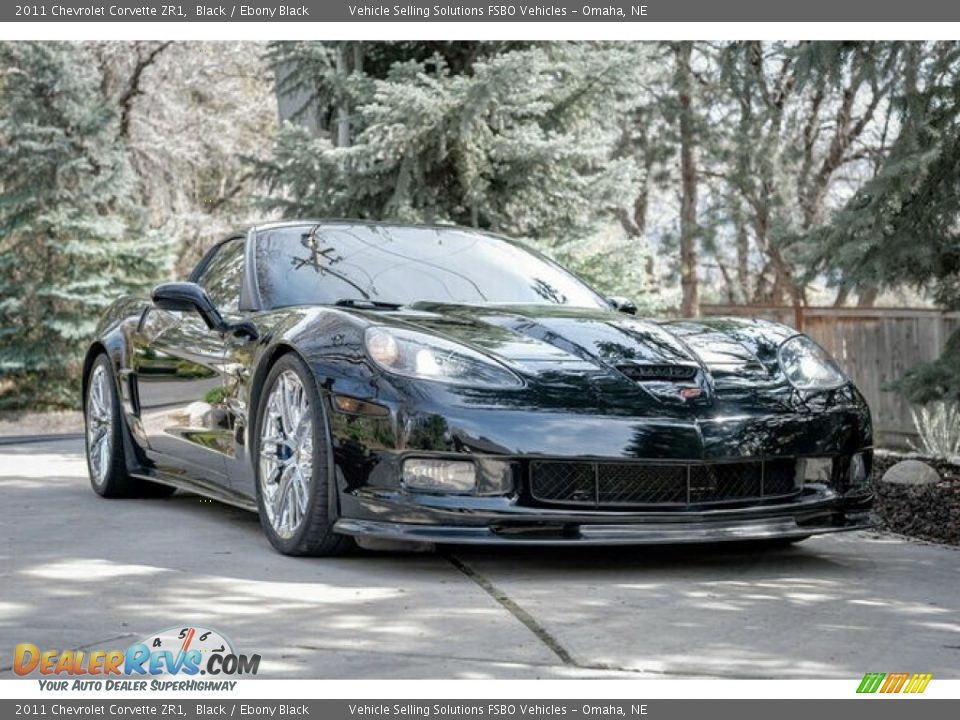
x=658, y=372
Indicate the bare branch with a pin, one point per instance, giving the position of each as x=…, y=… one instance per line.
x=134, y=88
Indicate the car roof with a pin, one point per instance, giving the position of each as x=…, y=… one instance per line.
x=272, y=225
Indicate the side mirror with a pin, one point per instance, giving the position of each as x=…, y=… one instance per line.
x=622, y=304
x=190, y=297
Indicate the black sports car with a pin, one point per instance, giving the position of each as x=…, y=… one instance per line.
x=445, y=385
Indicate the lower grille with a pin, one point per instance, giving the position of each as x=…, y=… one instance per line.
x=617, y=484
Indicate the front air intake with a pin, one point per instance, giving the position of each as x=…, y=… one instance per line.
x=618, y=484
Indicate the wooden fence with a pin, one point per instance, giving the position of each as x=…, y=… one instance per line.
x=874, y=346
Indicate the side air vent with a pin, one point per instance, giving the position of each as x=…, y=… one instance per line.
x=662, y=373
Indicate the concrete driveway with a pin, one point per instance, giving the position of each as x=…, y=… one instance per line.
x=77, y=571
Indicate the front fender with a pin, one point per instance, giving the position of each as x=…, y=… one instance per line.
x=114, y=337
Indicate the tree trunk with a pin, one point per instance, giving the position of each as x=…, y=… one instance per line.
x=634, y=220
x=730, y=287
x=743, y=263
x=867, y=295
x=843, y=292
x=343, y=111
x=690, y=304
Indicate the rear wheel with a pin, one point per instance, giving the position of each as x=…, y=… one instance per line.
x=291, y=458
x=106, y=460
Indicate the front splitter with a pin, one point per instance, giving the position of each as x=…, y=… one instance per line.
x=605, y=534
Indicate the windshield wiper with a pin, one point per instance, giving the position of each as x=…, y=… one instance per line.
x=368, y=304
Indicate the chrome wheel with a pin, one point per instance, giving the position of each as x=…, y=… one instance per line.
x=286, y=454
x=99, y=425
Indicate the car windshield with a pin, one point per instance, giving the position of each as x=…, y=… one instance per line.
x=326, y=264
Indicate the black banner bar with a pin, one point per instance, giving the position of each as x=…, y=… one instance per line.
x=481, y=11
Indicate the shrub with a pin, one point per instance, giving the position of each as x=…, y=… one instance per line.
x=938, y=425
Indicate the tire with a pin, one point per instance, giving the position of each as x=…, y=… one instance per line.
x=104, y=439
x=291, y=463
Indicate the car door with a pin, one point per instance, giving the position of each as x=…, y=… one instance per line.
x=179, y=369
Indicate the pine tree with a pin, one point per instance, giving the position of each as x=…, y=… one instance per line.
x=903, y=226
x=511, y=139
x=70, y=240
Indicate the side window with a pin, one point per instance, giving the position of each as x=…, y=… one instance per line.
x=223, y=275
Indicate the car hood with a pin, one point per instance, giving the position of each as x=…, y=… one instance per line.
x=660, y=356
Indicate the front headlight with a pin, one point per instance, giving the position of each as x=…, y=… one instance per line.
x=424, y=356
x=808, y=366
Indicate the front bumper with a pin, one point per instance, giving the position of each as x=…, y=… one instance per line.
x=816, y=511
x=372, y=501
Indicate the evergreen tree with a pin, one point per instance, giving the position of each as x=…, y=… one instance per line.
x=69, y=239
x=903, y=226
x=936, y=380
x=514, y=140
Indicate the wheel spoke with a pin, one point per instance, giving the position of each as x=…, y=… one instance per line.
x=282, y=499
x=283, y=397
x=104, y=452
x=300, y=489
x=292, y=396
x=93, y=451
x=270, y=470
x=293, y=504
x=270, y=449
x=268, y=452
x=96, y=396
x=274, y=477
x=303, y=429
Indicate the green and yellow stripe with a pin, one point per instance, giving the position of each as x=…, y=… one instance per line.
x=894, y=682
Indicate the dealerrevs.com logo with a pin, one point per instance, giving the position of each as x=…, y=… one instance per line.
x=156, y=661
